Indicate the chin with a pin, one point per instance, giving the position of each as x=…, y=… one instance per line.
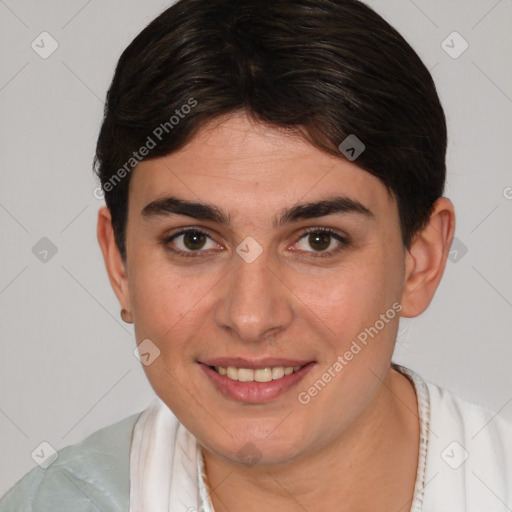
x=252, y=448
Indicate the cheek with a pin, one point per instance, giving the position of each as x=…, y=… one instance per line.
x=353, y=296
x=170, y=303
x=155, y=288
x=160, y=299
x=360, y=306
x=166, y=312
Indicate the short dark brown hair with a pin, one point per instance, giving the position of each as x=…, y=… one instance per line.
x=325, y=68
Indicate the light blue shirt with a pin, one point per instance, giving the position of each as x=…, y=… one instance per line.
x=91, y=476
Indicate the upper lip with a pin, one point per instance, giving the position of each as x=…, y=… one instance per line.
x=241, y=362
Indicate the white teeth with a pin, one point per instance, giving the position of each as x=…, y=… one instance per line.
x=232, y=372
x=277, y=372
x=245, y=374
x=259, y=375
x=262, y=375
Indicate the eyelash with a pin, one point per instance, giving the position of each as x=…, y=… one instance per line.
x=345, y=242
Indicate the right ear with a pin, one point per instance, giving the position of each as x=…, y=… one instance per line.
x=114, y=263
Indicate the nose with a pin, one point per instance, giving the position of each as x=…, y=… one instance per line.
x=254, y=304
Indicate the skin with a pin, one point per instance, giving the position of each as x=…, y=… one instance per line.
x=354, y=446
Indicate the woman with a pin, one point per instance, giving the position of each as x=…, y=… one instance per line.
x=273, y=175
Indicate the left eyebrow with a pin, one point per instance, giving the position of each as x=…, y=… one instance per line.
x=328, y=206
x=172, y=205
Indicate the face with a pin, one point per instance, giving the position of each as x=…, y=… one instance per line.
x=293, y=256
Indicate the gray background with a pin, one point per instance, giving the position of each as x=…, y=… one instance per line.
x=67, y=366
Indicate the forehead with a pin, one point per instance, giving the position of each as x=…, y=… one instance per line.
x=243, y=165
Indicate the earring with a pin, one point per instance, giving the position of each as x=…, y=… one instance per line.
x=126, y=316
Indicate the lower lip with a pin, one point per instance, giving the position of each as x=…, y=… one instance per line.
x=255, y=392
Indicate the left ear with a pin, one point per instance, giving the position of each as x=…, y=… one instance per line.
x=426, y=259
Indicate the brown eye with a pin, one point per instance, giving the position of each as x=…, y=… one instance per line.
x=194, y=240
x=189, y=242
x=320, y=240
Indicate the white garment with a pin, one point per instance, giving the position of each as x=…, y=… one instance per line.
x=465, y=458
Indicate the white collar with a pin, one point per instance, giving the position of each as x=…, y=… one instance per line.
x=163, y=463
x=167, y=467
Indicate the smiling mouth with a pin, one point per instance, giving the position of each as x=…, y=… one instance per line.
x=266, y=374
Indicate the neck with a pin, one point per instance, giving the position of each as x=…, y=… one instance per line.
x=371, y=465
